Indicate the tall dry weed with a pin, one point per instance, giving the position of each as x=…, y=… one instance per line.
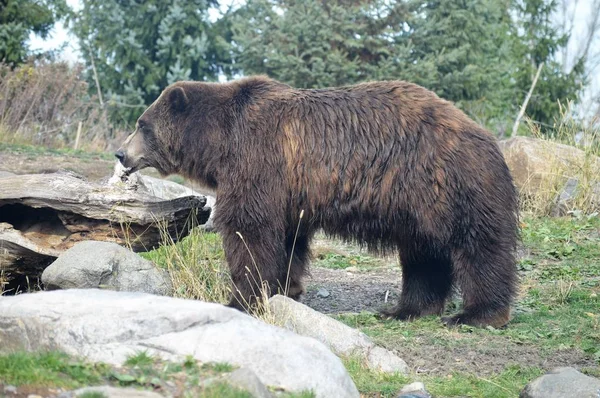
x=569, y=180
x=44, y=103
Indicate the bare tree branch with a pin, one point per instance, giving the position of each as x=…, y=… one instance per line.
x=568, y=22
x=593, y=25
x=527, y=98
x=96, y=77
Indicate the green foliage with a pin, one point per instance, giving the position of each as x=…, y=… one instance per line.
x=141, y=359
x=313, y=44
x=480, y=54
x=56, y=369
x=458, y=49
x=540, y=41
x=48, y=368
x=138, y=48
x=92, y=394
x=462, y=51
x=19, y=18
x=341, y=261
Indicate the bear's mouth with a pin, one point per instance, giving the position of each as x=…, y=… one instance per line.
x=129, y=171
x=140, y=164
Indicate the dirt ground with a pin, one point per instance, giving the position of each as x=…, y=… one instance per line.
x=358, y=290
x=352, y=292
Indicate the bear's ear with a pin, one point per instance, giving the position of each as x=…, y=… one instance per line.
x=177, y=99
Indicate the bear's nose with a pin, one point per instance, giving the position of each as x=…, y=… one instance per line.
x=120, y=155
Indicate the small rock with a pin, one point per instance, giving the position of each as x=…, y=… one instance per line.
x=562, y=383
x=340, y=338
x=323, y=293
x=10, y=389
x=385, y=361
x=247, y=380
x=34, y=396
x=114, y=392
x=352, y=269
x=107, y=265
x=414, y=390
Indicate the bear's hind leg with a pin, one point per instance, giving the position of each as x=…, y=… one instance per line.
x=488, y=283
x=426, y=283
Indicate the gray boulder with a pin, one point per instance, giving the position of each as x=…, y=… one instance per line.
x=246, y=380
x=562, y=383
x=106, y=265
x=4, y=173
x=108, y=326
x=341, y=339
x=540, y=167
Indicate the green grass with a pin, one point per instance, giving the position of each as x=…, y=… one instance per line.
x=558, y=311
x=91, y=394
x=58, y=370
x=49, y=369
x=196, y=265
x=506, y=384
x=344, y=261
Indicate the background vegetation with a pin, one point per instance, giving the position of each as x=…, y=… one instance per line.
x=481, y=54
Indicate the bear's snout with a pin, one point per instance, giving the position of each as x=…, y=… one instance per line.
x=120, y=155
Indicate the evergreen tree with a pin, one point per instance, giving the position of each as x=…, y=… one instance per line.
x=19, y=18
x=316, y=43
x=139, y=47
x=540, y=40
x=462, y=50
x=459, y=49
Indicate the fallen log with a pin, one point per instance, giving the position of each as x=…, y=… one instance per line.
x=42, y=215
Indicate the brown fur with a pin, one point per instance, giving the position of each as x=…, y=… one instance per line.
x=386, y=164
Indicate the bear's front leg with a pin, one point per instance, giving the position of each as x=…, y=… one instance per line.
x=257, y=263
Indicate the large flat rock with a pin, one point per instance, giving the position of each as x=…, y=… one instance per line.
x=109, y=326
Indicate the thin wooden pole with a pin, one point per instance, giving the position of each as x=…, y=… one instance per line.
x=78, y=137
x=527, y=98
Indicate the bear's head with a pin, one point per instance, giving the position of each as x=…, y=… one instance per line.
x=158, y=134
x=177, y=134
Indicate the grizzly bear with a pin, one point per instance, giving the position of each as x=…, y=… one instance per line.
x=386, y=164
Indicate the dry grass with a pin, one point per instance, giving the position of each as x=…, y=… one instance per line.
x=196, y=265
x=3, y=282
x=574, y=168
x=45, y=103
x=199, y=271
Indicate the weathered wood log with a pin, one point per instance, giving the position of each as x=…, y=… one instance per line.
x=42, y=215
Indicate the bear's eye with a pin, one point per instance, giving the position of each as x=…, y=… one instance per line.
x=143, y=127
